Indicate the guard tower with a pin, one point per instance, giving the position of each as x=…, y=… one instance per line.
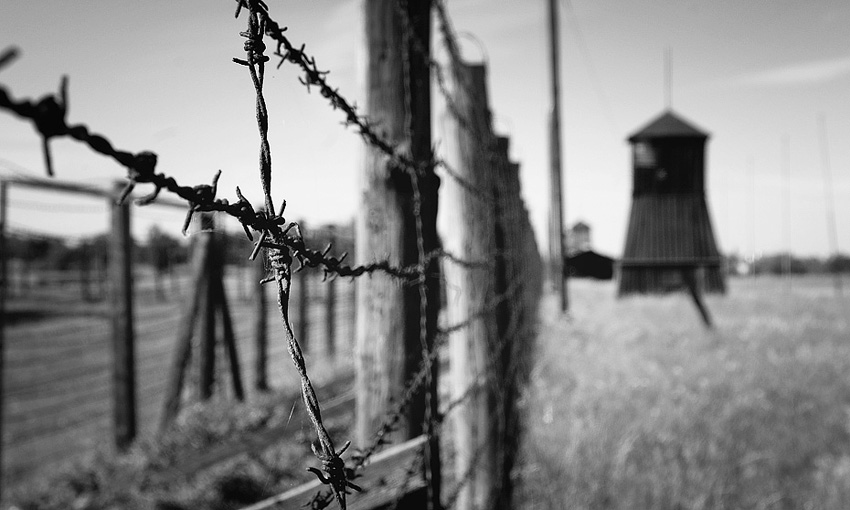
x=670, y=243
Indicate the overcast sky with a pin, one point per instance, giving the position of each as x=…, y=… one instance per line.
x=157, y=75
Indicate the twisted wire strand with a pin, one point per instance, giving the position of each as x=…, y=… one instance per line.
x=312, y=76
x=49, y=120
x=333, y=472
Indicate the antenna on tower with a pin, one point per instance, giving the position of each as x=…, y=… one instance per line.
x=668, y=79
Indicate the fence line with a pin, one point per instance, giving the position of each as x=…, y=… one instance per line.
x=75, y=373
x=283, y=248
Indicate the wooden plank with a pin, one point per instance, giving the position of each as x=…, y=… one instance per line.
x=83, y=189
x=384, y=480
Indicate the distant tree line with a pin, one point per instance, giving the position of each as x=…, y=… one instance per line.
x=779, y=263
x=160, y=249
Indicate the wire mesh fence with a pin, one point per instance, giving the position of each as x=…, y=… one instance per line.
x=505, y=309
x=58, y=387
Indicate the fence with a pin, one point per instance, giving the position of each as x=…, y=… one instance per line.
x=59, y=396
x=398, y=334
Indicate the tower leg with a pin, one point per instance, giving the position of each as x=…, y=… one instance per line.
x=689, y=277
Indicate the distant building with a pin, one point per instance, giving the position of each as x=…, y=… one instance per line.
x=578, y=238
x=581, y=261
x=669, y=240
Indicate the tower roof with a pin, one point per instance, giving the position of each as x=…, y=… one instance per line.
x=668, y=125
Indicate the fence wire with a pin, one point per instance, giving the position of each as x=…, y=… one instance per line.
x=284, y=245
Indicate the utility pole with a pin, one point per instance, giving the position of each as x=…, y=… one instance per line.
x=556, y=203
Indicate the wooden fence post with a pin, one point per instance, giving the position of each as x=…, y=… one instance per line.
x=261, y=338
x=472, y=289
x=208, y=329
x=219, y=297
x=388, y=344
x=198, y=285
x=4, y=276
x=330, y=307
x=556, y=201
x=512, y=359
x=123, y=341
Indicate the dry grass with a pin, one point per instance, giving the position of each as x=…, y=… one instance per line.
x=635, y=405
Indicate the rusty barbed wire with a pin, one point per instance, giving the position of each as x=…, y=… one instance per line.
x=402, y=161
x=361, y=456
x=48, y=116
x=200, y=198
x=367, y=129
x=315, y=77
x=333, y=471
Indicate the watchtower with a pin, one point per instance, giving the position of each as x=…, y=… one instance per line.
x=670, y=244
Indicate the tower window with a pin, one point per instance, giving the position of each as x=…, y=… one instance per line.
x=644, y=155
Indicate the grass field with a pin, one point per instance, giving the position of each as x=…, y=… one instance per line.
x=635, y=405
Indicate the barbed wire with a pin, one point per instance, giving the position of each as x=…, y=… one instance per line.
x=332, y=472
x=401, y=161
x=366, y=128
x=49, y=114
x=380, y=439
x=201, y=198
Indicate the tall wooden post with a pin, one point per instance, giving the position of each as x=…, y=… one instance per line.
x=556, y=207
x=199, y=284
x=388, y=343
x=261, y=341
x=4, y=275
x=228, y=336
x=208, y=329
x=471, y=235
x=123, y=341
x=511, y=351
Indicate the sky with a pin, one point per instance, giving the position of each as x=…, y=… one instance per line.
x=157, y=76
